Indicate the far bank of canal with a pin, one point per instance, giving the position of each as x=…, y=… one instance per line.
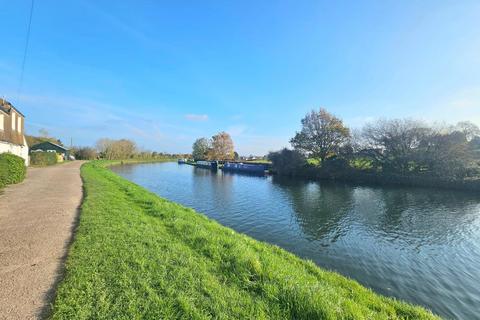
x=420, y=245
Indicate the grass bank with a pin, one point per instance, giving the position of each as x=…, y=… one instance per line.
x=138, y=256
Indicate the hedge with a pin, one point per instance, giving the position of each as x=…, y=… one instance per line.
x=43, y=158
x=12, y=169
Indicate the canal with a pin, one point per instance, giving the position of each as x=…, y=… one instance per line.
x=419, y=245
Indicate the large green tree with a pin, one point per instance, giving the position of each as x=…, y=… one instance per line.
x=322, y=135
x=201, y=148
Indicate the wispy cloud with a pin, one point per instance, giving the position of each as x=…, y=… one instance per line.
x=459, y=106
x=237, y=130
x=196, y=117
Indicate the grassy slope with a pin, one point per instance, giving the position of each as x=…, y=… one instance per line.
x=136, y=255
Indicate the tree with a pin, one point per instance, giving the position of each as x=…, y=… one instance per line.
x=392, y=144
x=32, y=140
x=123, y=149
x=42, y=137
x=447, y=155
x=102, y=145
x=222, y=147
x=43, y=133
x=468, y=128
x=411, y=147
x=116, y=149
x=201, y=147
x=321, y=136
x=287, y=161
x=84, y=153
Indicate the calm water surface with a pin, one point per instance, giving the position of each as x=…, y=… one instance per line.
x=419, y=245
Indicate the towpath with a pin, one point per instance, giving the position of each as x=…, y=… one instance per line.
x=37, y=219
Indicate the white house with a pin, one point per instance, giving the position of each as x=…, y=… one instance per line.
x=12, y=128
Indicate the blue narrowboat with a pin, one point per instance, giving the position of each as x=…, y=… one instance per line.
x=245, y=167
x=213, y=165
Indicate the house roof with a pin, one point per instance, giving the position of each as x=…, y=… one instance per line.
x=6, y=107
x=41, y=144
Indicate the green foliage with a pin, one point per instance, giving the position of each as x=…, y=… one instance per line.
x=322, y=135
x=43, y=158
x=138, y=256
x=12, y=169
x=314, y=162
x=201, y=148
x=361, y=163
x=288, y=162
x=408, y=147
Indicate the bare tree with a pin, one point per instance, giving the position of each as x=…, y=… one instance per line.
x=411, y=147
x=222, y=147
x=115, y=149
x=124, y=149
x=102, y=145
x=321, y=136
x=43, y=133
x=391, y=144
x=469, y=129
x=84, y=153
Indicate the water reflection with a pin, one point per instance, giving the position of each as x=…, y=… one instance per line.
x=420, y=245
x=320, y=210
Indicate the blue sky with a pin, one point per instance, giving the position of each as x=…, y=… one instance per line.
x=167, y=72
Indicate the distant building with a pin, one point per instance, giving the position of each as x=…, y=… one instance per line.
x=12, y=128
x=48, y=146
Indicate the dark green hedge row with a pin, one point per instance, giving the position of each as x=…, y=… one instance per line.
x=12, y=169
x=43, y=158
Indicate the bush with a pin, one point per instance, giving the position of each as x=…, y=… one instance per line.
x=288, y=162
x=43, y=158
x=12, y=169
x=84, y=153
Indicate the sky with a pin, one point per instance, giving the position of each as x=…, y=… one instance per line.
x=165, y=73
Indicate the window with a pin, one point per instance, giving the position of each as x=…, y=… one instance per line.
x=19, y=124
x=2, y=118
x=13, y=121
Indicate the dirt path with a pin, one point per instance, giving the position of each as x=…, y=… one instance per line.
x=37, y=218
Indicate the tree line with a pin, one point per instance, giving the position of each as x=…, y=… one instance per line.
x=219, y=147
x=387, y=146
x=120, y=149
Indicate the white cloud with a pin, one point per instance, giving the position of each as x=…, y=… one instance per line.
x=460, y=106
x=237, y=130
x=196, y=117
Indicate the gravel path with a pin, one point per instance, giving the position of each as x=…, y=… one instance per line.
x=37, y=218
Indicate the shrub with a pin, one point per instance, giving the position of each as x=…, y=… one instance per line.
x=289, y=162
x=43, y=158
x=12, y=169
x=84, y=153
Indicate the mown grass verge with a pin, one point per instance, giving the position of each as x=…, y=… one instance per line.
x=138, y=256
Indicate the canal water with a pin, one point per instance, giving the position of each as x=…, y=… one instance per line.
x=419, y=245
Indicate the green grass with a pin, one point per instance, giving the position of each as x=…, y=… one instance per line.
x=259, y=161
x=138, y=256
x=313, y=162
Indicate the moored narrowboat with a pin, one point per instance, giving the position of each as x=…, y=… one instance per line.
x=245, y=167
x=213, y=165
